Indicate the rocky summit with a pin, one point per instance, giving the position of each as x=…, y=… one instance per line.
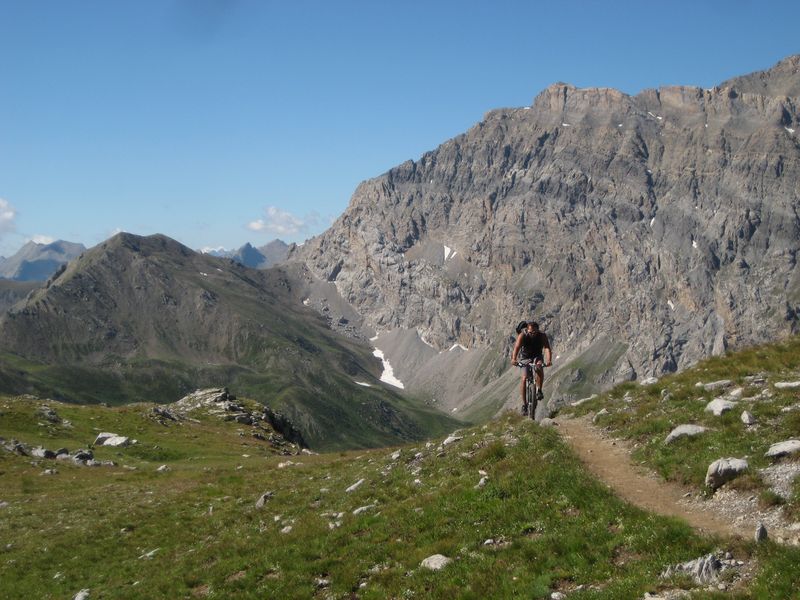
x=644, y=233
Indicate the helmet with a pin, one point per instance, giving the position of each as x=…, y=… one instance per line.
x=521, y=325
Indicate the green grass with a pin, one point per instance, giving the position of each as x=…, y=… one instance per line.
x=645, y=417
x=555, y=527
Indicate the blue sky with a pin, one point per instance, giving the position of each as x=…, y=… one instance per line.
x=218, y=122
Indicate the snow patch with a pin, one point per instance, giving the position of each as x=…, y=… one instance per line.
x=203, y=274
x=789, y=129
x=424, y=341
x=694, y=243
x=373, y=339
x=526, y=108
x=670, y=304
x=566, y=125
x=652, y=221
x=306, y=302
x=361, y=383
x=457, y=347
x=447, y=251
x=388, y=373
x=620, y=125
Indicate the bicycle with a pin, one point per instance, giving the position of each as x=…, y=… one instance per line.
x=532, y=393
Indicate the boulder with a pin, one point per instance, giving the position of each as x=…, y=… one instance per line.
x=649, y=381
x=703, y=570
x=117, y=441
x=787, y=385
x=262, y=500
x=355, y=486
x=42, y=453
x=715, y=385
x=724, y=470
x=48, y=414
x=783, y=449
x=102, y=437
x=451, y=439
x=748, y=418
x=761, y=533
x=720, y=406
x=684, y=430
x=436, y=562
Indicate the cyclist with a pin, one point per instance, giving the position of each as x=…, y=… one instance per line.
x=532, y=345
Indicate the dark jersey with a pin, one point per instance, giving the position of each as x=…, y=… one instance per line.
x=533, y=345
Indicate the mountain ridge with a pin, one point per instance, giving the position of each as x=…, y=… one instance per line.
x=645, y=227
x=139, y=318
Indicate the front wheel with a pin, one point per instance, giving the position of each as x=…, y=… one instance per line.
x=530, y=394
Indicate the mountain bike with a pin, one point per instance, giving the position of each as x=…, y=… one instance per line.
x=532, y=392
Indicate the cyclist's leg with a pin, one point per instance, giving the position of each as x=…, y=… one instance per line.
x=539, y=371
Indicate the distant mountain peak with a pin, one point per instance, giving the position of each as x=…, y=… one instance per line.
x=36, y=261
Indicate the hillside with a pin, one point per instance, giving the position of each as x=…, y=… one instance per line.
x=37, y=262
x=199, y=506
x=645, y=232
x=145, y=318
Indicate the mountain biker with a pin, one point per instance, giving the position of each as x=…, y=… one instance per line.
x=532, y=345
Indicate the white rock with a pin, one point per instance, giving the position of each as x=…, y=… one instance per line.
x=263, y=499
x=582, y=400
x=149, y=555
x=684, y=430
x=117, y=441
x=102, y=437
x=363, y=509
x=82, y=595
x=163, y=469
x=723, y=470
x=450, y=439
x=720, y=406
x=355, y=486
x=748, y=418
x=736, y=394
x=787, y=385
x=783, y=449
x=482, y=482
x=287, y=529
x=436, y=562
x=396, y=455
x=717, y=385
x=649, y=381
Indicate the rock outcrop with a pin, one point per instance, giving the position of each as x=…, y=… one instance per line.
x=645, y=232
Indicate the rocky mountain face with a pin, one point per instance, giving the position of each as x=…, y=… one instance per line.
x=146, y=318
x=37, y=262
x=644, y=233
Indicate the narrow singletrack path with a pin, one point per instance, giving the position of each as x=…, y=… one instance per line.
x=610, y=461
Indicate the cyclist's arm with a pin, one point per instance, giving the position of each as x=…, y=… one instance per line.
x=517, y=346
x=548, y=353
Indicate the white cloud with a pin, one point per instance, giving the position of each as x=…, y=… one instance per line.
x=43, y=239
x=282, y=223
x=7, y=216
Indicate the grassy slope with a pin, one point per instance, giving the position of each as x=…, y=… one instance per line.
x=646, y=417
x=224, y=325
x=93, y=527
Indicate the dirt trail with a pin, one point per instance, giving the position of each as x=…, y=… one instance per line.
x=610, y=461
